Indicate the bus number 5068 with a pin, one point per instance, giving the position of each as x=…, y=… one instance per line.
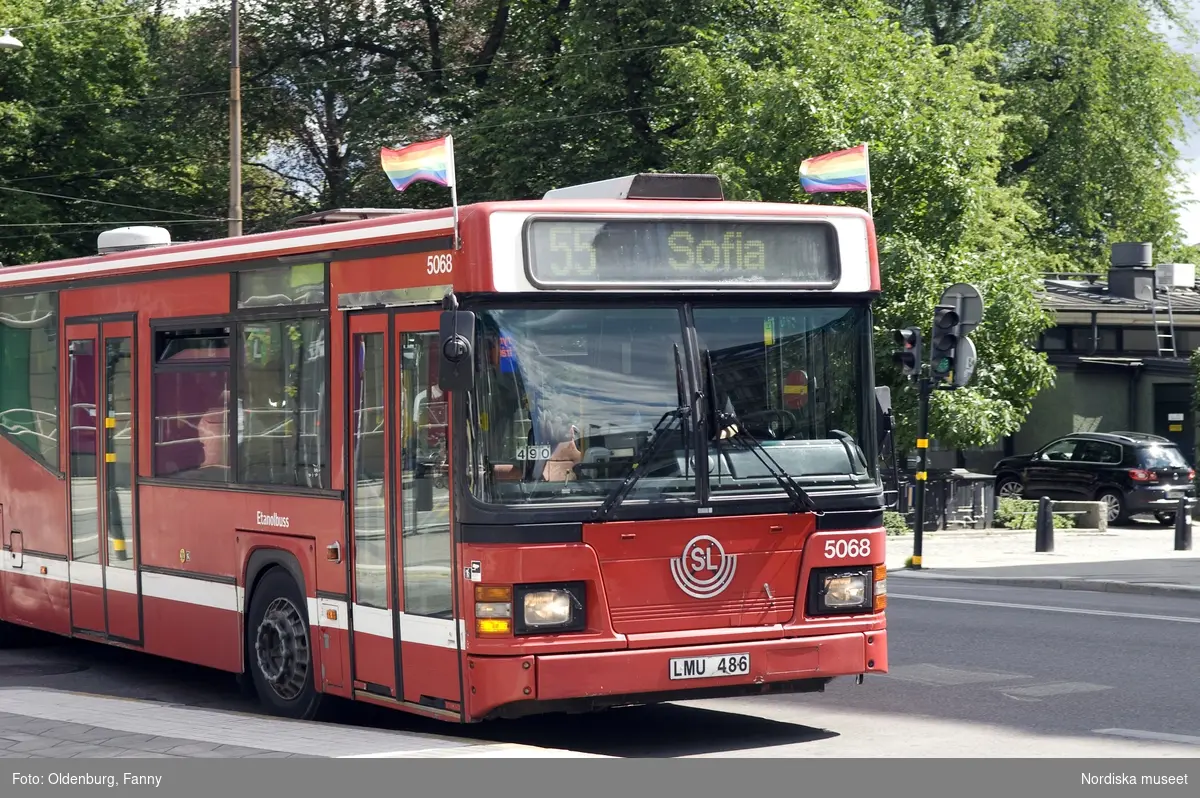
x=843, y=548
x=439, y=264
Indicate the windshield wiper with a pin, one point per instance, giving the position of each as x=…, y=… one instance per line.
x=652, y=444
x=727, y=419
x=634, y=472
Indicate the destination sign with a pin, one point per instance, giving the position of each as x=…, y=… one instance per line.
x=590, y=252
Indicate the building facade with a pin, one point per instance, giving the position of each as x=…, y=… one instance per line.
x=1121, y=347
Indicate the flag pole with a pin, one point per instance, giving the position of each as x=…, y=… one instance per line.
x=867, y=158
x=450, y=179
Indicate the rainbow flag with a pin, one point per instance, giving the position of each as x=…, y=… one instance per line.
x=844, y=170
x=432, y=161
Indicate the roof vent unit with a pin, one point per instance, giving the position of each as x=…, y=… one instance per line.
x=124, y=239
x=1132, y=256
x=650, y=186
x=1176, y=275
x=1132, y=272
x=337, y=215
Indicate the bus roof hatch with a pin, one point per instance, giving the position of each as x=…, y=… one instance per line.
x=649, y=186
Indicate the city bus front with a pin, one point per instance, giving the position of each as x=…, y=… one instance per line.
x=665, y=472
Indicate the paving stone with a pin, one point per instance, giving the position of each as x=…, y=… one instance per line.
x=157, y=744
x=276, y=755
x=66, y=750
x=31, y=746
x=143, y=755
x=129, y=739
x=98, y=752
x=239, y=750
x=92, y=735
x=190, y=749
x=14, y=755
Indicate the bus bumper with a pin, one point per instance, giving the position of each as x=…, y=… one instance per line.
x=528, y=685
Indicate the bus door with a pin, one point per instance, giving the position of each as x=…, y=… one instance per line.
x=101, y=407
x=405, y=635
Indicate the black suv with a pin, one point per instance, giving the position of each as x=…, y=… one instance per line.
x=1131, y=472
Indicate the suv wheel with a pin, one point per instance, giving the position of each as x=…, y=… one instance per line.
x=1114, y=505
x=1008, y=487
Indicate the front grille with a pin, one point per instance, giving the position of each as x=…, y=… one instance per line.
x=758, y=605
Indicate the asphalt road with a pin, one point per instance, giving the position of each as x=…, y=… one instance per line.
x=975, y=671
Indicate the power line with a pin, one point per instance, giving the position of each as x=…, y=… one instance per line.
x=225, y=92
x=102, y=202
x=111, y=223
x=539, y=120
x=58, y=23
x=102, y=171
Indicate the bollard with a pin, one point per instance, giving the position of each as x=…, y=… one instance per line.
x=1183, y=527
x=1044, y=535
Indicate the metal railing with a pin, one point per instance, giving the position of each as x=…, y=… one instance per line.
x=954, y=498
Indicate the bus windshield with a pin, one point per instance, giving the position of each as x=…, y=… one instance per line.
x=568, y=397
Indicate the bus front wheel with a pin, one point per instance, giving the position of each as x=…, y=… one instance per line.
x=279, y=650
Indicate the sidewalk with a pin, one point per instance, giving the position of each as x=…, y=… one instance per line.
x=1135, y=559
x=40, y=723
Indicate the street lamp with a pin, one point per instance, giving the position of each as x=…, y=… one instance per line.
x=10, y=42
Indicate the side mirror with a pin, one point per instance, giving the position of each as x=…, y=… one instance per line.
x=883, y=415
x=456, y=350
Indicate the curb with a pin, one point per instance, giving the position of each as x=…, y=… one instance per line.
x=1064, y=583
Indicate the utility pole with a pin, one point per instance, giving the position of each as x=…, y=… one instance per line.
x=235, y=124
x=924, y=389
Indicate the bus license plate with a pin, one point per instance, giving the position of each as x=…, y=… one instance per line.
x=710, y=667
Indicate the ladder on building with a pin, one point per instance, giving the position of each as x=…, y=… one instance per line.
x=1164, y=340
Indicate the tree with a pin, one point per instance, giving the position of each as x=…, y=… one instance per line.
x=822, y=78
x=87, y=139
x=1096, y=99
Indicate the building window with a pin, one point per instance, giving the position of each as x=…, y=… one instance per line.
x=1141, y=339
x=191, y=404
x=1054, y=339
x=29, y=374
x=282, y=403
x=1081, y=340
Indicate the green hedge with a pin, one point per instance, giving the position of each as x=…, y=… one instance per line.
x=895, y=523
x=1022, y=514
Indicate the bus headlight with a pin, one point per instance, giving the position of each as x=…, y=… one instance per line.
x=549, y=609
x=845, y=590
x=834, y=591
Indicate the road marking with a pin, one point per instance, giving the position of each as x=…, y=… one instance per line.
x=941, y=676
x=1045, y=608
x=1040, y=691
x=1138, y=734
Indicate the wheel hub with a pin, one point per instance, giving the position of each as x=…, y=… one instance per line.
x=281, y=649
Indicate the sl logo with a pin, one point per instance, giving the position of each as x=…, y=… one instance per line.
x=704, y=569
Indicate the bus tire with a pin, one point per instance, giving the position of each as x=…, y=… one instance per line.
x=279, y=648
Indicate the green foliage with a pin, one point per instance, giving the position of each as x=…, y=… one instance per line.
x=825, y=78
x=895, y=523
x=1008, y=137
x=87, y=111
x=1094, y=100
x=1022, y=514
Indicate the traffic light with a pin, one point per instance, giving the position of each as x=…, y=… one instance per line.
x=944, y=345
x=909, y=355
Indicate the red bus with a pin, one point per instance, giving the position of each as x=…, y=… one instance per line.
x=614, y=446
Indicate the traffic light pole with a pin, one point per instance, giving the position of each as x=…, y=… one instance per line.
x=925, y=388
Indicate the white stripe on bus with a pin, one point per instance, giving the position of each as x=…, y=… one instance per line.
x=165, y=256
x=422, y=630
